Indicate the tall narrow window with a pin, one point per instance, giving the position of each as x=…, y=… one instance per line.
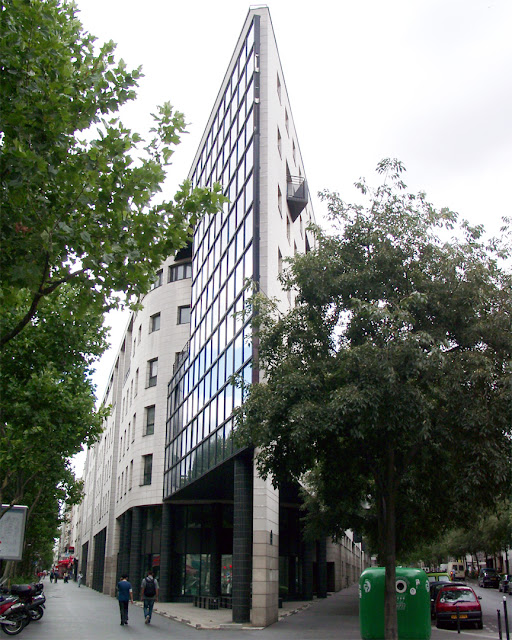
x=279, y=143
x=279, y=200
x=287, y=121
x=184, y=314
x=157, y=282
x=288, y=228
x=279, y=87
x=152, y=372
x=154, y=323
x=150, y=420
x=147, y=468
x=131, y=475
x=279, y=262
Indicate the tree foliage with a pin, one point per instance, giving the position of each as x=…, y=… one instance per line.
x=47, y=397
x=388, y=385
x=77, y=187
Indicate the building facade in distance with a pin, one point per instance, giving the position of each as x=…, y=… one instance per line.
x=166, y=488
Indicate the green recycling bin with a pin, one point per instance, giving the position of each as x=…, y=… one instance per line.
x=412, y=603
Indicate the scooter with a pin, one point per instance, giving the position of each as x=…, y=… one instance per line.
x=14, y=615
x=31, y=595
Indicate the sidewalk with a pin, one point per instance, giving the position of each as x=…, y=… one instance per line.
x=199, y=618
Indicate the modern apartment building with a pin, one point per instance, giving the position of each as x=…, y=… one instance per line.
x=166, y=488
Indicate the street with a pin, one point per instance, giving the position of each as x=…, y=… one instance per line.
x=83, y=614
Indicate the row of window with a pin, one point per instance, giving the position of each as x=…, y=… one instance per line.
x=129, y=432
x=211, y=452
x=175, y=272
x=125, y=479
x=211, y=401
x=233, y=108
x=202, y=399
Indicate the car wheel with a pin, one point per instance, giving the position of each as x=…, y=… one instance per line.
x=480, y=624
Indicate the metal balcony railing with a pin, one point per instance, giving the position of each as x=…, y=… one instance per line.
x=296, y=195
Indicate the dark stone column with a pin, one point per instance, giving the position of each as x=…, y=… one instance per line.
x=307, y=570
x=119, y=566
x=135, y=551
x=165, y=553
x=242, y=539
x=321, y=550
x=216, y=557
x=292, y=579
x=126, y=543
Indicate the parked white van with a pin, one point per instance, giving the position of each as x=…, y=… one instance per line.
x=456, y=570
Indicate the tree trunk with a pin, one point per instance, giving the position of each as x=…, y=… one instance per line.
x=388, y=545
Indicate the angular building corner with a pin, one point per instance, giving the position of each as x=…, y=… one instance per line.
x=165, y=488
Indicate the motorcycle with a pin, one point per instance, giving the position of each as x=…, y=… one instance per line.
x=14, y=615
x=32, y=596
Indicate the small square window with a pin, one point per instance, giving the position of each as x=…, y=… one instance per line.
x=184, y=315
x=152, y=372
x=149, y=422
x=154, y=323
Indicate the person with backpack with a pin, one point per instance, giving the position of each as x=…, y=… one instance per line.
x=149, y=593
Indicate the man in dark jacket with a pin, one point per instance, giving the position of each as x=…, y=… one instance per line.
x=124, y=596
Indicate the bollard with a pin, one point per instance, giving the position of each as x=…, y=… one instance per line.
x=458, y=618
x=499, y=623
x=505, y=620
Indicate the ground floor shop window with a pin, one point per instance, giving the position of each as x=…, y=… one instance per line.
x=226, y=576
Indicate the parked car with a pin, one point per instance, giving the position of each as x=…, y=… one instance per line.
x=504, y=584
x=488, y=577
x=438, y=576
x=458, y=602
x=434, y=590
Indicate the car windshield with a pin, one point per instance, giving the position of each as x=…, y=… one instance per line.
x=458, y=595
x=490, y=572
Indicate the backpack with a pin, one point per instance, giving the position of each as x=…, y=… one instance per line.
x=149, y=589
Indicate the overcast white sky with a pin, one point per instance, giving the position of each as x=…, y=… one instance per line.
x=426, y=81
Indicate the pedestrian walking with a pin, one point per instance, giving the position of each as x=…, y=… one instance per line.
x=149, y=595
x=52, y=575
x=79, y=578
x=124, y=596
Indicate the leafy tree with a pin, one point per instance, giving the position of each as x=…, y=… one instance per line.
x=392, y=369
x=79, y=204
x=47, y=397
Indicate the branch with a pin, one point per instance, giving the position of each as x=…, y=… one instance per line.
x=41, y=293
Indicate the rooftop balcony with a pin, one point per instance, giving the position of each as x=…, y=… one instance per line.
x=296, y=195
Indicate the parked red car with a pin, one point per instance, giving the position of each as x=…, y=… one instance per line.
x=458, y=602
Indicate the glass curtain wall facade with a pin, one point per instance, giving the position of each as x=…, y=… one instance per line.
x=201, y=397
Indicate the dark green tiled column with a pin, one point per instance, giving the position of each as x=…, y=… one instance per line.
x=321, y=551
x=165, y=553
x=135, y=551
x=242, y=539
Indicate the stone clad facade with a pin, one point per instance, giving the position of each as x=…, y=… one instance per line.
x=166, y=488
